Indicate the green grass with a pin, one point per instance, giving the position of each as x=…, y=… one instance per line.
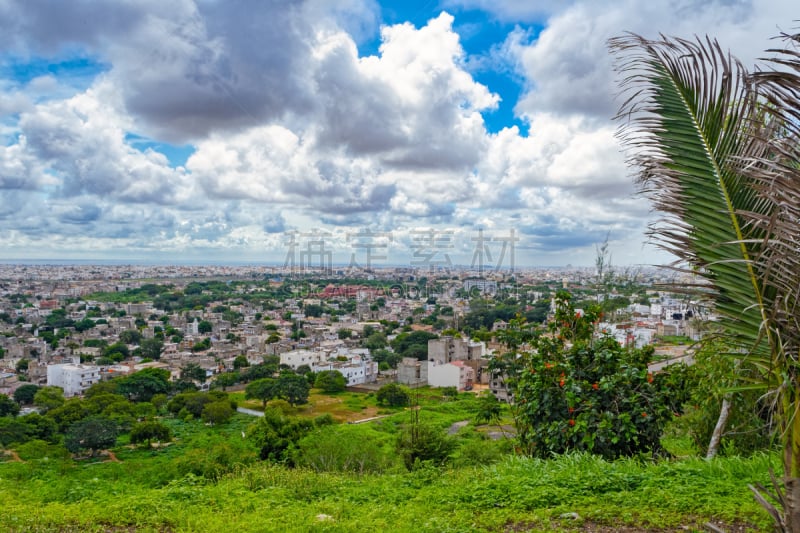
x=484, y=489
x=56, y=496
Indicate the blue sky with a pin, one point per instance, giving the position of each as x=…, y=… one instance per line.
x=206, y=130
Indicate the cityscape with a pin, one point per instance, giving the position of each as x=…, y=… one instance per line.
x=399, y=265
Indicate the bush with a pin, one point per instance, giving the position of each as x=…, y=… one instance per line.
x=343, y=449
x=330, y=381
x=480, y=452
x=212, y=458
x=217, y=412
x=392, y=395
x=93, y=434
x=595, y=395
x=276, y=435
x=146, y=432
x=421, y=444
x=39, y=449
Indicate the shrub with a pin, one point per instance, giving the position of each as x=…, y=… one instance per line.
x=595, y=395
x=93, y=434
x=330, y=381
x=342, y=449
x=146, y=432
x=392, y=395
x=421, y=444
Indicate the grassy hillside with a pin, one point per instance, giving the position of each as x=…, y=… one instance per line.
x=143, y=490
x=210, y=479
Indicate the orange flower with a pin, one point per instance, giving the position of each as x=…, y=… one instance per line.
x=548, y=365
x=571, y=422
x=571, y=409
x=595, y=386
x=649, y=377
x=644, y=415
x=561, y=383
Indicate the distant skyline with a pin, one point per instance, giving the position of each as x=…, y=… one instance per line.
x=207, y=131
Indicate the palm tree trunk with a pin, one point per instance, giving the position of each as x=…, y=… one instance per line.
x=719, y=429
x=791, y=466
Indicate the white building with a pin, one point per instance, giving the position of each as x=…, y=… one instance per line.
x=73, y=379
x=296, y=358
x=456, y=374
x=356, y=371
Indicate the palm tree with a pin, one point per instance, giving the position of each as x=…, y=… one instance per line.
x=716, y=149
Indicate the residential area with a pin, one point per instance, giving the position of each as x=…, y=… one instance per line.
x=73, y=327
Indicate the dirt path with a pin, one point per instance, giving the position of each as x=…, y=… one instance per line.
x=112, y=457
x=14, y=456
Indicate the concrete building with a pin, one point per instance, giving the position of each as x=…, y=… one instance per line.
x=412, y=372
x=74, y=379
x=357, y=370
x=447, y=349
x=456, y=374
x=296, y=358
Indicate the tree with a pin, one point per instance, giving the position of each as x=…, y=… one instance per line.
x=193, y=372
x=22, y=366
x=344, y=333
x=25, y=393
x=240, y=362
x=142, y=385
x=146, y=432
x=577, y=392
x=375, y=341
x=413, y=344
x=8, y=407
x=93, y=434
x=117, y=352
x=151, y=348
x=293, y=388
x=13, y=431
x=718, y=152
x=205, y=327
x=130, y=336
x=421, y=443
x=392, y=395
x=489, y=409
x=49, y=398
x=225, y=380
x=330, y=381
x=275, y=434
x=261, y=389
x=218, y=412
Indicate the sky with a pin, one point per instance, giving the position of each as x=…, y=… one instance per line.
x=355, y=132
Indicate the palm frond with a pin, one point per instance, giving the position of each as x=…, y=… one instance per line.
x=689, y=106
x=776, y=178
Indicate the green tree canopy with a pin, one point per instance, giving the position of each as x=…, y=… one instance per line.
x=146, y=432
x=392, y=395
x=93, y=434
x=49, y=397
x=218, y=412
x=293, y=388
x=151, y=348
x=261, y=389
x=25, y=393
x=8, y=407
x=330, y=381
x=193, y=372
x=142, y=385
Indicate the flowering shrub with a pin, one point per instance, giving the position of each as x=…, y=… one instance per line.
x=576, y=392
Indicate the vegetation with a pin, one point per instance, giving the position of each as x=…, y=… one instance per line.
x=593, y=395
x=349, y=476
x=330, y=381
x=719, y=154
